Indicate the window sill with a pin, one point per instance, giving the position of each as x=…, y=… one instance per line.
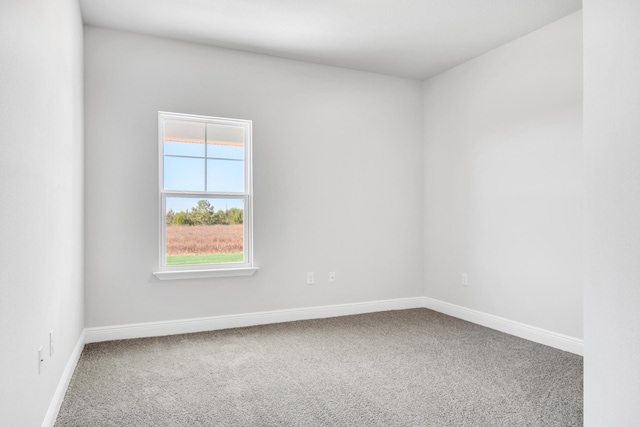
x=202, y=274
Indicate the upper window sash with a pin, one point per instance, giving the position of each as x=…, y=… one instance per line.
x=208, y=147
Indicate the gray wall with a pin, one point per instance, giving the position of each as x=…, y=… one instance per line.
x=503, y=180
x=338, y=178
x=612, y=153
x=41, y=200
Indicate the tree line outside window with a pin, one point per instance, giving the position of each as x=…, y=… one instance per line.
x=204, y=213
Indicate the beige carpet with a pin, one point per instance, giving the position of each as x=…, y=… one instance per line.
x=398, y=368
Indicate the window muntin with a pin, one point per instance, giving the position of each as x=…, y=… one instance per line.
x=205, y=192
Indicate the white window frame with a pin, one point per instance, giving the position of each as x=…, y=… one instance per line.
x=245, y=268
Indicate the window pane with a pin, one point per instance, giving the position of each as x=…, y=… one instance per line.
x=184, y=131
x=204, y=230
x=183, y=148
x=182, y=173
x=225, y=141
x=184, y=137
x=225, y=175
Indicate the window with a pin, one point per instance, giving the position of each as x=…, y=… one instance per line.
x=205, y=196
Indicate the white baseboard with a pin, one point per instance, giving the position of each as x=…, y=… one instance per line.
x=183, y=326
x=531, y=333
x=65, y=379
x=172, y=327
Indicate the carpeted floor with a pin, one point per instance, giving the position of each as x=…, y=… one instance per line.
x=397, y=368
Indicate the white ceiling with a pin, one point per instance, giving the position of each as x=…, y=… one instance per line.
x=408, y=38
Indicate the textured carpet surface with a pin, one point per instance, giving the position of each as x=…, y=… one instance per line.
x=397, y=368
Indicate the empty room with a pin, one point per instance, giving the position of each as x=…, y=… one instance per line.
x=345, y=212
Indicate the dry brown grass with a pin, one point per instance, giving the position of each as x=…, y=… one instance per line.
x=204, y=239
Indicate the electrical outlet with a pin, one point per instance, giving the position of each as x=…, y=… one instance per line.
x=332, y=277
x=51, y=343
x=464, y=279
x=40, y=360
x=310, y=278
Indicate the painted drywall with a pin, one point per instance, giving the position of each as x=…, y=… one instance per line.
x=612, y=154
x=337, y=178
x=41, y=201
x=503, y=184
